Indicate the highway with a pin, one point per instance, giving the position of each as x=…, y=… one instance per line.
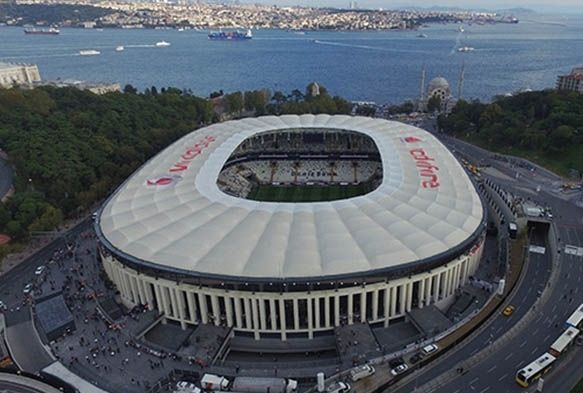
x=495, y=373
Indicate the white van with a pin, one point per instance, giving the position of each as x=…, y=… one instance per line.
x=214, y=382
x=338, y=387
x=361, y=372
x=429, y=349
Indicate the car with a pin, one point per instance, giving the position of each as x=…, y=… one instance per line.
x=508, y=310
x=429, y=349
x=396, y=362
x=186, y=387
x=338, y=387
x=400, y=369
x=361, y=372
x=28, y=289
x=415, y=358
x=40, y=270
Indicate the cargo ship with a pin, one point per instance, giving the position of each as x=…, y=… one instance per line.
x=51, y=31
x=230, y=36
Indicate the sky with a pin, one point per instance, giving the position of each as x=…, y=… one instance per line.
x=558, y=6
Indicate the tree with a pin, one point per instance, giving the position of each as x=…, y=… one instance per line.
x=434, y=104
x=129, y=89
x=234, y=102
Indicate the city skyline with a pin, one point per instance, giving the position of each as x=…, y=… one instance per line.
x=538, y=6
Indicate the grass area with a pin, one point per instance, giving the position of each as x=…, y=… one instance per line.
x=558, y=163
x=578, y=388
x=270, y=193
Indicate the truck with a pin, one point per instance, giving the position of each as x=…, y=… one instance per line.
x=214, y=382
x=264, y=385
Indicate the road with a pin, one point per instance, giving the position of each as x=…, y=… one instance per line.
x=496, y=373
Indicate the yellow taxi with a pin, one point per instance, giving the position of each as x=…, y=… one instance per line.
x=508, y=310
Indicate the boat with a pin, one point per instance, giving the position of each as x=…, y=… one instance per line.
x=422, y=35
x=230, y=36
x=50, y=31
x=461, y=29
x=89, y=52
x=162, y=44
x=465, y=49
x=119, y=48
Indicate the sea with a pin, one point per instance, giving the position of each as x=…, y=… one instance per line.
x=384, y=67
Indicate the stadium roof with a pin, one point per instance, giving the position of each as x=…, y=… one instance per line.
x=171, y=215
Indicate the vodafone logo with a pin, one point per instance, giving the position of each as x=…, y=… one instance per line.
x=163, y=181
x=427, y=170
x=411, y=139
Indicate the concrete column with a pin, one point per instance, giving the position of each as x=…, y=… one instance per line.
x=402, y=298
x=296, y=314
x=393, y=301
x=141, y=292
x=262, y=314
x=272, y=314
x=436, y=291
x=120, y=282
x=238, y=313
x=282, y=321
x=327, y=300
x=350, y=308
x=204, y=314
x=191, y=306
x=173, y=302
x=363, y=305
x=216, y=309
x=336, y=310
x=166, y=301
x=229, y=310
x=409, y=303
x=375, y=305
x=255, y=318
x=421, y=293
x=180, y=304
x=310, y=318
x=149, y=296
x=387, y=305
x=428, y=288
x=248, y=313
x=159, y=300
x=317, y=312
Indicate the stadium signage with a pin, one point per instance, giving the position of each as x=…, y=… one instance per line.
x=191, y=153
x=427, y=170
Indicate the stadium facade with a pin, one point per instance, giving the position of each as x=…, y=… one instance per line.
x=172, y=239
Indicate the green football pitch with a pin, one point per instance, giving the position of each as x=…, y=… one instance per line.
x=270, y=193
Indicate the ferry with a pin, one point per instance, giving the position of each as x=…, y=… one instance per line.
x=230, y=36
x=119, y=48
x=464, y=49
x=422, y=35
x=162, y=44
x=89, y=52
x=50, y=31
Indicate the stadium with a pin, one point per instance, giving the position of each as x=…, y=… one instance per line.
x=291, y=226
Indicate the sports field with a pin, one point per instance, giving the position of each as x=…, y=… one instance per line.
x=270, y=193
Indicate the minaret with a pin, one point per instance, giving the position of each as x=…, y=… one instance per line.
x=460, y=85
x=422, y=90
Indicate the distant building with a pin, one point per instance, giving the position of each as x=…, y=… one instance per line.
x=313, y=89
x=96, y=88
x=572, y=81
x=438, y=87
x=18, y=74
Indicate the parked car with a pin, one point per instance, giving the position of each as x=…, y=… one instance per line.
x=28, y=289
x=429, y=349
x=40, y=270
x=396, y=362
x=338, y=387
x=361, y=372
x=400, y=369
x=415, y=358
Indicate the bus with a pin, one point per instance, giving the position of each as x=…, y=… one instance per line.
x=532, y=372
x=576, y=319
x=564, y=341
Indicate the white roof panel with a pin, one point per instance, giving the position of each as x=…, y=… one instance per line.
x=186, y=223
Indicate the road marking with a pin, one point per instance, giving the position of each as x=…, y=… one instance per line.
x=502, y=377
x=546, y=338
x=535, y=332
x=519, y=365
x=534, y=350
x=523, y=344
x=492, y=368
x=457, y=391
x=485, y=389
x=509, y=356
x=474, y=380
x=474, y=351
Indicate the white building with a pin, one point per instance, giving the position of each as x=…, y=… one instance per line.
x=172, y=240
x=18, y=74
x=572, y=81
